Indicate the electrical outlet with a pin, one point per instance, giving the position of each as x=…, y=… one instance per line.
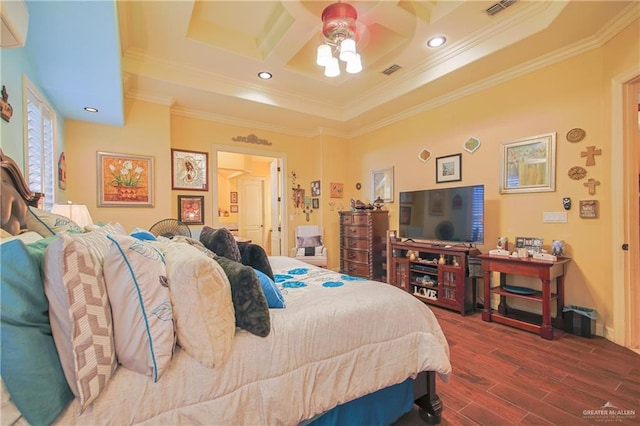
x=554, y=217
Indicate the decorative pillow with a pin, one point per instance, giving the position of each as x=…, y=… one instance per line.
x=143, y=235
x=249, y=302
x=254, y=255
x=31, y=367
x=47, y=224
x=79, y=310
x=136, y=278
x=221, y=242
x=309, y=251
x=271, y=292
x=311, y=241
x=202, y=306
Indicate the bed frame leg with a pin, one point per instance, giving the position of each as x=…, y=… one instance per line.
x=429, y=403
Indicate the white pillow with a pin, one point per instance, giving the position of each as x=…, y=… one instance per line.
x=136, y=278
x=202, y=306
x=79, y=310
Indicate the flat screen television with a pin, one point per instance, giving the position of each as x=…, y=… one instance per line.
x=449, y=215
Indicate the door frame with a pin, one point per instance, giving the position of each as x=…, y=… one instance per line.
x=216, y=148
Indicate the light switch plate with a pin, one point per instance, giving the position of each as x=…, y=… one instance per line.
x=554, y=217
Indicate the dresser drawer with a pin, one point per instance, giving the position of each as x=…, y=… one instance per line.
x=355, y=219
x=355, y=255
x=356, y=231
x=355, y=243
x=356, y=269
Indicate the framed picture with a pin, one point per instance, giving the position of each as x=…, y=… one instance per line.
x=315, y=188
x=405, y=215
x=449, y=168
x=532, y=244
x=234, y=208
x=124, y=180
x=191, y=209
x=337, y=190
x=406, y=197
x=189, y=170
x=528, y=165
x=382, y=185
x=436, y=203
x=234, y=198
x=315, y=203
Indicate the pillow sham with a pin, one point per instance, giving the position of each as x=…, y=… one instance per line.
x=136, y=278
x=271, y=292
x=249, y=302
x=202, y=306
x=311, y=241
x=31, y=368
x=79, y=310
x=47, y=224
x=221, y=242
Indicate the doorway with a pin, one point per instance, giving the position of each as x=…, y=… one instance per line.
x=228, y=178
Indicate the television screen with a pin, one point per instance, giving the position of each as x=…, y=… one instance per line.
x=447, y=215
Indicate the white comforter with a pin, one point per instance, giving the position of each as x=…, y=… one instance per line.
x=332, y=343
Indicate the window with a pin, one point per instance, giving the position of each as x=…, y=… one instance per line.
x=40, y=140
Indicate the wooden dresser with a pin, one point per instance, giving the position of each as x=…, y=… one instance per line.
x=363, y=236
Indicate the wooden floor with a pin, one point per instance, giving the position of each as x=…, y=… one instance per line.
x=502, y=376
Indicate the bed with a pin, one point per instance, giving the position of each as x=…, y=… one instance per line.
x=343, y=348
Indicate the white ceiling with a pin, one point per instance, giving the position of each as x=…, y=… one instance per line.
x=202, y=57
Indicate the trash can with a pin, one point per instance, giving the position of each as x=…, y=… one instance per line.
x=579, y=321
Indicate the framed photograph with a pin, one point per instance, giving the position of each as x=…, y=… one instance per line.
x=449, y=168
x=528, y=165
x=532, y=244
x=234, y=208
x=124, y=180
x=337, y=190
x=315, y=188
x=382, y=185
x=234, y=198
x=405, y=215
x=315, y=203
x=189, y=170
x=436, y=203
x=191, y=209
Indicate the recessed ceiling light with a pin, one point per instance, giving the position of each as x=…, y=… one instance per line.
x=264, y=75
x=436, y=41
x=91, y=109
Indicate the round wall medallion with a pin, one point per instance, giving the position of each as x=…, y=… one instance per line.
x=576, y=135
x=358, y=186
x=577, y=172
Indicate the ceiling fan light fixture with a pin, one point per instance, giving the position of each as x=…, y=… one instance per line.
x=340, y=37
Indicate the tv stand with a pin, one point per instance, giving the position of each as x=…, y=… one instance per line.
x=435, y=273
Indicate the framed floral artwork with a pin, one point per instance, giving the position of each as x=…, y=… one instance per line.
x=528, y=165
x=189, y=170
x=191, y=209
x=336, y=190
x=124, y=180
x=449, y=168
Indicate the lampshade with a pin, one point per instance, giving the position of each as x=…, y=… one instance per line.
x=324, y=55
x=332, y=69
x=79, y=213
x=354, y=65
x=347, y=49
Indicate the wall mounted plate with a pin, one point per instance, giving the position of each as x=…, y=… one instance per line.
x=472, y=144
x=424, y=155
x=576, y=135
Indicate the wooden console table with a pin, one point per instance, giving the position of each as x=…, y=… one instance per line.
x=545, y=271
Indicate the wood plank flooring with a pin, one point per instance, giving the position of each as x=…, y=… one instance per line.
x=503, y=376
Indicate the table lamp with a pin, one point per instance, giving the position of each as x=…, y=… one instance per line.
x=76, y=212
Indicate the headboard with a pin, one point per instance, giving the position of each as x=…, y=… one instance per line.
x=14, y=196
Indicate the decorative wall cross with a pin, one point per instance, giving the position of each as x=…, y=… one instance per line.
x=590, y=153
x=592, y=183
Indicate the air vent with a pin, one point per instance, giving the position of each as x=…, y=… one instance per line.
x=393, y=68
x=499, y=7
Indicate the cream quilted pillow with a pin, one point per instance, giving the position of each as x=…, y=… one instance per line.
x=202, y=306
x=136, y=279
x=79, y=310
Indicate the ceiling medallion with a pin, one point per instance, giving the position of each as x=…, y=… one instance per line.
x=576, y=135
x=424, y=155
x=340, y=36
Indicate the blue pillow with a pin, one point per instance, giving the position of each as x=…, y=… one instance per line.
x=31, y=368
x=143, y=235
x=270, y=290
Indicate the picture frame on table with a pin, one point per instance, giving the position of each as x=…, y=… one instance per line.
x=528, y=165
x=191, y=209
x=189, y=170
x=382, y=185
x=124, y=180
x=449, y=168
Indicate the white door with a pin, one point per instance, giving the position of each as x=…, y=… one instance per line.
x=276, y=201
x=251, y=202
